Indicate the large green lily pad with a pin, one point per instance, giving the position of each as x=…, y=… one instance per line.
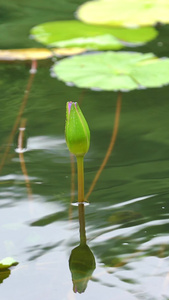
x=125, y=13
x=63, y=34
x=114, y=71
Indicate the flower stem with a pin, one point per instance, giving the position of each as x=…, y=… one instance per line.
x=80, y=171
x=82, y=224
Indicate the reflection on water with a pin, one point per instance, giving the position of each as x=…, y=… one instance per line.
x=46, y=143
x=4, y=274
x=21, y=139
x=81, y=261
x=127, y=220
x=82, y=265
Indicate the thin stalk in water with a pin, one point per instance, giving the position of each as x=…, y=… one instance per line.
x=110, y=148
x=80, y=172
x=20, y=113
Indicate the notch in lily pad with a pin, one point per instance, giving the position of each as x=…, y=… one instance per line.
x=112, y=71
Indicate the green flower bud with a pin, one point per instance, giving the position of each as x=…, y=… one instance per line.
x=76, y=130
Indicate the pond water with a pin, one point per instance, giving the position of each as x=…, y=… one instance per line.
x=127, y=221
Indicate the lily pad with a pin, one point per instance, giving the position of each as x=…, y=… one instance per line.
x=77, y=34
x=36, y=53
x=125, y=13
x=114, y=71
x=7, y=263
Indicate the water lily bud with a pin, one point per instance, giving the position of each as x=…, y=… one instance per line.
x=76, y=130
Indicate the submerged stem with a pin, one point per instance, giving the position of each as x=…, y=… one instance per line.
x=80, y=171
x=21, y=157
x=20, y=113
x=82, y=224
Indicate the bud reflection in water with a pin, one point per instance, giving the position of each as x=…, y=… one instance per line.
x=81, y=261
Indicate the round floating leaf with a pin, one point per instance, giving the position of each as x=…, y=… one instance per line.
x=125, y=13
x=100, y=42
x=135, y=35
x=77, y=34
x=114, y=71
x=24, y=54
x=36, y=53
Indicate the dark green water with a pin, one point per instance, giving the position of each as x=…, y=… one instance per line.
x=127, y=221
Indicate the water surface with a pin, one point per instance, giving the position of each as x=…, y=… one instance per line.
x=127, y=220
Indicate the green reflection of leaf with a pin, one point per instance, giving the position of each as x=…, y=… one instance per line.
x=39, y=250
x=73, y=33
x=124, y=13
x=4, y=274
x=50, y=219
x=114, y=71
x=121, y=217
